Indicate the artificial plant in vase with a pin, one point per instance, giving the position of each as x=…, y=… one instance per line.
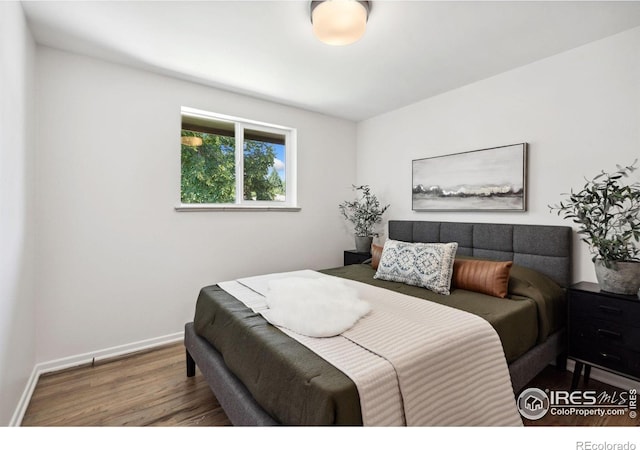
x=607, y=211
x=364, y=212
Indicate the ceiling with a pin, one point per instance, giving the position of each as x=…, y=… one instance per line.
x=411, y=50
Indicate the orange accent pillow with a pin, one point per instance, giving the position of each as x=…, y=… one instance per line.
x=376, y=253
x=486, y=277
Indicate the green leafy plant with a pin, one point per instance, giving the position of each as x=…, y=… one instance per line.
x=208, y=170
x=364, y=212
x=608, y=214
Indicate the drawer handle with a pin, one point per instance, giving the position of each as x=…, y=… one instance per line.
x=608, y=356
x=609, y=309
x=609, y=334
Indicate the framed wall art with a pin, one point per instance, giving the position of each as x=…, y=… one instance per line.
x=491, y=179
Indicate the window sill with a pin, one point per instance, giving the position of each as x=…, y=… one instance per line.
x=255, y=208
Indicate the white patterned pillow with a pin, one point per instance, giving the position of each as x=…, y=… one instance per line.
x=429, y=265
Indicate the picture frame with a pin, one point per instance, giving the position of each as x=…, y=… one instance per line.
x=490, y=179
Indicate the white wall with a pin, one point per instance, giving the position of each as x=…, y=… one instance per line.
x=17, y=327
x=579, y=111
x=116, y=263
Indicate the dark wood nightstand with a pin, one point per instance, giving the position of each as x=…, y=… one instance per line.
x=604, y=332
x=354, y=257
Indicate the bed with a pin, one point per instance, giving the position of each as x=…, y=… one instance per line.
x=283, y=382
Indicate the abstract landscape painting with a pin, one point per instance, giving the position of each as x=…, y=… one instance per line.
x=492, y=179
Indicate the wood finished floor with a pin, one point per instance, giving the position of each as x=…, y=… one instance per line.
x=151, y=389
x=144, y=389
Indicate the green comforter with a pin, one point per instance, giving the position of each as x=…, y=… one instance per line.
x=297, y=387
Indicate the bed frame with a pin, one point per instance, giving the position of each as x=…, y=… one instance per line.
x=540, y=247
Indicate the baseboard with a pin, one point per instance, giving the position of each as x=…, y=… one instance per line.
x=85, y=358
x=18, y=414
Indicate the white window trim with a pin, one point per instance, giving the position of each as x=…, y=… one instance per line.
x=291, y=202
x=233, y=207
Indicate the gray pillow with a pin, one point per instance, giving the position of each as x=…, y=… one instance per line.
x=428, y=265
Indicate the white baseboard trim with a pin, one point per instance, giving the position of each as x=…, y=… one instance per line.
x=21, y=408
x=72, y=361
x=85, y=358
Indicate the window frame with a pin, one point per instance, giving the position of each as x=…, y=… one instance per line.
x=240, y=204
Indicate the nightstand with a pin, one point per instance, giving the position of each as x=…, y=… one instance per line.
x=604, y=332
x=354, y=257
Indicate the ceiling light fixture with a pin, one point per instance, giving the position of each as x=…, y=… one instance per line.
x=339, y=22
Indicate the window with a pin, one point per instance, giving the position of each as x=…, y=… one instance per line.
x=216, y=175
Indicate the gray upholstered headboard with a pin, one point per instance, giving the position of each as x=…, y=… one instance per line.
x=544, y=248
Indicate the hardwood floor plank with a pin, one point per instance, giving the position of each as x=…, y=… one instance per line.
x=151, y=388
x=144, y=389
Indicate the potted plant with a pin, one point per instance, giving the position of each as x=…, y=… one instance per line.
x=607, y=212
x=364, y=212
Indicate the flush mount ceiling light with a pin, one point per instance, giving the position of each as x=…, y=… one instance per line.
x=339, y=22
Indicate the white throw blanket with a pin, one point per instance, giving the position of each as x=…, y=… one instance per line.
x=323, y=307
x=414, y=362
x=305, y=301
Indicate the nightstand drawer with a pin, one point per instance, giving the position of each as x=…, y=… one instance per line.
x=603, y=330
x=596, y=331
x=595, y=306
x=608, y=356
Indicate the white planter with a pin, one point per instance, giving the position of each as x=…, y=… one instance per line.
x=621, y=278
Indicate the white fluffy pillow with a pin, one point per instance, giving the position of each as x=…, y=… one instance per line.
x=429, y=265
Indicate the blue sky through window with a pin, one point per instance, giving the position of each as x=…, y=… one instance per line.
x=279, y=164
